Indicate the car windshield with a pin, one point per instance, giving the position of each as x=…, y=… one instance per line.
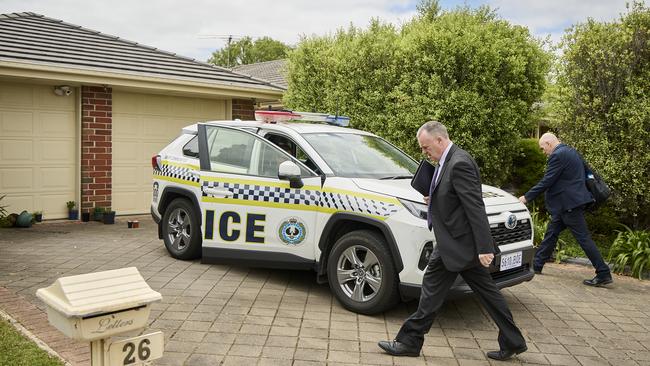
x=360, y=156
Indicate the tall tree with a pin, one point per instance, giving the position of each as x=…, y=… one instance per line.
x=603, y=105
x=248, y=51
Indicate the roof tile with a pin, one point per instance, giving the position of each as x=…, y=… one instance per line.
x=33, y=38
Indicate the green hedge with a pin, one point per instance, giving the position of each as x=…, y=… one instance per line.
x=529, y=164
x=476, y=73
x=602, y=106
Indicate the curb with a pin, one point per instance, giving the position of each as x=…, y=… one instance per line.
x=20, y=312
x=25, y=332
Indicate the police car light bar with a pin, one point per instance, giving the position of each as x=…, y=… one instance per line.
x=284, y=116
x=275, y=116
x=341, y=121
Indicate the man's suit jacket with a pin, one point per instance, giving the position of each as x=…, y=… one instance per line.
x=458, y=213
x=563, y=181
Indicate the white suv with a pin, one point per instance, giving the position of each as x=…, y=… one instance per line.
x=314, y=196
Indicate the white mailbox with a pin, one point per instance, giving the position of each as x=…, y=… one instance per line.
x=99, y=305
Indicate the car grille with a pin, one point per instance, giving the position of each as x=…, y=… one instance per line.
x=503, y=235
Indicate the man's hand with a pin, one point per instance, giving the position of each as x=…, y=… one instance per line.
x=522, y=199
x=485, y=259
x=426, y=199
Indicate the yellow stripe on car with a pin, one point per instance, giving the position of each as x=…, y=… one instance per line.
x=177, y=180
x=288, y=206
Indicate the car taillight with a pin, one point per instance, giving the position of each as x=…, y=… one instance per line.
x=155, y=162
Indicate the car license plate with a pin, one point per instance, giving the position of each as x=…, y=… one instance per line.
x=136, y=350
x=510, y=260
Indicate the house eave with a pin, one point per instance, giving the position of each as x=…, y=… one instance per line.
x=135, y=81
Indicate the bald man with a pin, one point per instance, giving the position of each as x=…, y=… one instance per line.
x=464, y=246
x=566, y=197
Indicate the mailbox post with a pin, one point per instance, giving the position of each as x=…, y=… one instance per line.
x=95, y=306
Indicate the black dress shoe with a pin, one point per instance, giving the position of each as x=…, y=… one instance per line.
x=504, y=354
x=598, y=281
x=396, y=348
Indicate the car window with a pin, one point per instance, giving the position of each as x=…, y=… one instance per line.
x=192, y=148
x=291, y=148
x=361, y=156
x=230, y=150
x=238, y=152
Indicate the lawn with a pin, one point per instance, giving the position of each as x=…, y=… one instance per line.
x=16, y=350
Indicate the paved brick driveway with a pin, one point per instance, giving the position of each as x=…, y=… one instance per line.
x=241, y=316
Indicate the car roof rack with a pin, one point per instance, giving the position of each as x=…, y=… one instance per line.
x=286, y=116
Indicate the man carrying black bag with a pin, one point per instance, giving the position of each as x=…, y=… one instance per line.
x=566, y=198
x=464, y=246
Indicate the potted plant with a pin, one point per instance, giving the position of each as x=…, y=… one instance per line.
x=24, y=219
x=5, y=217
x=109, y=216
x=98, y=213
x=73, y=213
x=38, y=216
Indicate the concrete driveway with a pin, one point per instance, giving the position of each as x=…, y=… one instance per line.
x=214, y=314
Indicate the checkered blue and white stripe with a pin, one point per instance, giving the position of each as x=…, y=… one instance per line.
x=491, y=195
x=266, y=194
x=306, y=197
x=345, y=202
x=182, y=173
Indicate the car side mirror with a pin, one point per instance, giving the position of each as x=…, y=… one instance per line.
x=288, y=170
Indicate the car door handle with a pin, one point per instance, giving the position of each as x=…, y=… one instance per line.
x=218, y=192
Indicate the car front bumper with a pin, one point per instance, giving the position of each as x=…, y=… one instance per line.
x=502, y=279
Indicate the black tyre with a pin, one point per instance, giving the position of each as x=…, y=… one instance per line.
x=181, y=232
x=361, y=273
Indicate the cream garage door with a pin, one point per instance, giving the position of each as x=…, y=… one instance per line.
x=142, y=125
x=38, y=149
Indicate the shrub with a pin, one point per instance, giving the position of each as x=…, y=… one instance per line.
x=631, y=248
x=540, y=224
x=563, y=248
x=603, y=105
x=477, y=74
x=529, y=164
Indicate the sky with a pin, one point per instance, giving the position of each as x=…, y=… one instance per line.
x=196, y=28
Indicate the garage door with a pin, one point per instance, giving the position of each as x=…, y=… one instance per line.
x=142, y=125
x=38, y=149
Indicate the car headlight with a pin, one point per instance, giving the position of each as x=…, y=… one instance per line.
x=417, y=209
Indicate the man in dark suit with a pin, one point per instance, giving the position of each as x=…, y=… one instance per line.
x=464, y=246
x=566, y=197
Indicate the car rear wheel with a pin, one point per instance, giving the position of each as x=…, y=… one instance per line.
x=181, y=232
x=361, y=273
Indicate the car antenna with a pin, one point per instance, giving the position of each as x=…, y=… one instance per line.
x=337, y=107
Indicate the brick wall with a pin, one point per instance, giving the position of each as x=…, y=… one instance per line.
x=243, y=109
x=96, y=147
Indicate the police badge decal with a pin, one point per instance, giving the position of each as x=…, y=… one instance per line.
x=292, y=231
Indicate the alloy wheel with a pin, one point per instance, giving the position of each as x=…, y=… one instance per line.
x=359, y=273
x=180, y=229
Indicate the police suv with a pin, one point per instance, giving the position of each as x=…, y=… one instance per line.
x=278, y=193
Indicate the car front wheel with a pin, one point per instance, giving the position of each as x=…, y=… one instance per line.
x=361, y=273
x=181, y=232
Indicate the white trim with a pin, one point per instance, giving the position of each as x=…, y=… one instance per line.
x=139, y=81
x=79, y=152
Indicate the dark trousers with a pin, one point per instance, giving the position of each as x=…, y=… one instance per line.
x=575, y=221
x=436, y=284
